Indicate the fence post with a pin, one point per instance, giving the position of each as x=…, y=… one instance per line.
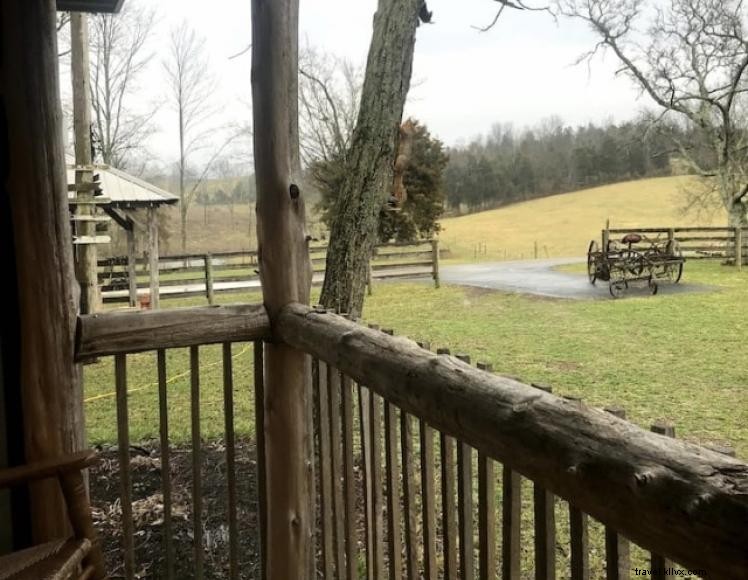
x=536, y=249
x=435, y=258
x=369, y=289
x=670, y=234
x=606, y=239
x=739, y=248
x=209, y=278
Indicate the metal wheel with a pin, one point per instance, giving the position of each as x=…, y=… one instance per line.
x=593, y=252
x=674, y=270
x=617, y=287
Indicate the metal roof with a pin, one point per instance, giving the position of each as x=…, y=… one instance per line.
x=89, y=5
x=125, y=190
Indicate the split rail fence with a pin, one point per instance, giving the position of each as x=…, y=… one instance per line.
x=426, y=467
x=207, y=274
x=696, y=243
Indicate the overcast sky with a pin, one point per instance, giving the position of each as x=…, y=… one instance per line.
x=519, y=72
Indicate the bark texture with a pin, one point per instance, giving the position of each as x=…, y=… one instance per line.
x=370, y=162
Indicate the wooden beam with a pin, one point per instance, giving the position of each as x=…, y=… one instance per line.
x=285, y=271
x=124, y=222
x=34, y=181
x=126, y=332
x=677, y=499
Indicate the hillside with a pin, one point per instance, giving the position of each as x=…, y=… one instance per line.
x=564, y=224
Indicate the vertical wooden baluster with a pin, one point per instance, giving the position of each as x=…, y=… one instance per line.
x=617, y=558
x=429, y=502
x=428, y=483
x=376, y=486
x=364, y=400
x=259, y=380
x=486, y=510
x=659, y=563
x=123, y=445
x=487, y=517
x=580, y=566
x=336, y=449
x=449, y=505
x=197, y=484
x=465, y=503
x=325, y=472
x=350, y=481
x=394, y=532
x=163, y=416
x=545, y=526
x=228, y=414
x=512, y=518
x=409, y=493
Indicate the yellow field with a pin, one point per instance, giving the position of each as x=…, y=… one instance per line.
x=563, y=225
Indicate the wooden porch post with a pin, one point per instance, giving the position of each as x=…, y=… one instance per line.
x=132, y=280
x=286, y=274
x=153, y=256
x=35, y=182
x=86, y=266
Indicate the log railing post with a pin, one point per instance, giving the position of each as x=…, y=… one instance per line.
x=286, y=273
x=37, y=252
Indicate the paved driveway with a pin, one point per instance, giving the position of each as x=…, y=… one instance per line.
x=540, y=278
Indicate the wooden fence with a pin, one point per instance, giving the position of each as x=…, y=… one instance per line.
x=428, y=468
x=696, y=243
x=207, y=274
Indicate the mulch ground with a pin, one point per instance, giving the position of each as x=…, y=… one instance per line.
x=148, y=511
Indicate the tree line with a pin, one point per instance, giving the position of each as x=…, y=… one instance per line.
x=509, y=165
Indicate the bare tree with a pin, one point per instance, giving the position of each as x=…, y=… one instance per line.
x=329, y=94
x=119, y=55
x=690, y=57
x=190, y=84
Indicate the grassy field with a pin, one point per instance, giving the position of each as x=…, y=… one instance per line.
x=563, y=225
x=671, y=356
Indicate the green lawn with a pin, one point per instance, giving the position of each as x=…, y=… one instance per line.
x=678, y=357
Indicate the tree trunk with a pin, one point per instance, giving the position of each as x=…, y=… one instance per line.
x=286, y=274
x=353, y=233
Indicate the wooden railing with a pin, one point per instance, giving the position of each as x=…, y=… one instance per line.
x=428, y=467
x=207, y=274
x=122, y=334
x=696, y=243
x=676, y=500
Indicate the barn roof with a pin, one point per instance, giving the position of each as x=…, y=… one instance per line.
x=124, y=190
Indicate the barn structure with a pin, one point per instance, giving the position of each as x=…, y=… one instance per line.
x=364, y=439
x=132, y=204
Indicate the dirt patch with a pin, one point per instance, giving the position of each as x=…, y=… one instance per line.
x=563, y=366
x=148, y=511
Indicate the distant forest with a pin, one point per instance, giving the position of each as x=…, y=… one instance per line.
x=509, y=165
